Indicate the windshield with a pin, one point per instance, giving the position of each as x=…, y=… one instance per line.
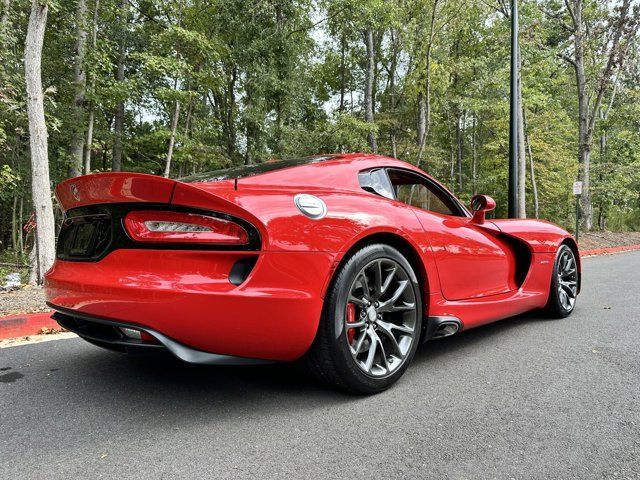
x=251, y=170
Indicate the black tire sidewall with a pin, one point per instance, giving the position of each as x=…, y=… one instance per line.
x=554, y=306
x=350, y=373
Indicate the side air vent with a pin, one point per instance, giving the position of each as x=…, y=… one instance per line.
x=241, y=270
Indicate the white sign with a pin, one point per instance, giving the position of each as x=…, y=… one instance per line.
x=577, y=188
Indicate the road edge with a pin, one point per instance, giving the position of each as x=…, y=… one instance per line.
x=593, y=252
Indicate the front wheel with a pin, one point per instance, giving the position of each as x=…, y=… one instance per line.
x=371, y=323
x=564, y=284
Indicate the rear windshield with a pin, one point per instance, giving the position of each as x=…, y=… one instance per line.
x=251, y=170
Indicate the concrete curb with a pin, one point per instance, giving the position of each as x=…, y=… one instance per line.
x=26, y=324
x=608, y=250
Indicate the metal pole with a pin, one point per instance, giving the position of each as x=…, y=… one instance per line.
x=513, y=118
x=577, y=216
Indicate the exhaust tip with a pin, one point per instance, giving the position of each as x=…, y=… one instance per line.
x=442, y=326
x=446, y=329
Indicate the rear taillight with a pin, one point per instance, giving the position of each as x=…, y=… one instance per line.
x=179, y=227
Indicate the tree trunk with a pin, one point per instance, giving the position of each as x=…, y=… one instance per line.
x=422, y=123
x=251, y=129
x=424, y=99
x=459, y=147
x=118, y=126
x=584, y=148
x=602, y=223
x=187, y=120
x=474, y=160
x=522, y=159
x=20, y=234
x=172, y=139
x=87, y=153
x=395, y=42
x=280, y=97
x=94, y=42
x=588, y=114
x=368, y=90
x=40, y=182
x=230, y=113
x=343, y=71
x=603, y=150
x=4, y=19
x=14, y=224
x=532, y=171
x=76, y=146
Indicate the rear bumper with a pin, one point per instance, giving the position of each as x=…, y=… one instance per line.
x=107, y=334
x=187, y=298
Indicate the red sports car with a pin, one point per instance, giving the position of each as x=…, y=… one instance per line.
x=346, y=262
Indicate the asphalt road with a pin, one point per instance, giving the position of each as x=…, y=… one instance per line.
x=523, y=398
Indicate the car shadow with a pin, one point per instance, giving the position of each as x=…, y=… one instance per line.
x=172, y=391
x=490, y=333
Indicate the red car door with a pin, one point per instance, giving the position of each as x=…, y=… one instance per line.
x=472, y=261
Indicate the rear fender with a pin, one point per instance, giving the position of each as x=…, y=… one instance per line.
x=541, y=236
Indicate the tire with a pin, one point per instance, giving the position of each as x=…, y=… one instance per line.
x=366, y=353
x=564, y=284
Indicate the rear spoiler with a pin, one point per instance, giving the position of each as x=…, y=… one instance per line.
x=114, y=188
x=124, y=187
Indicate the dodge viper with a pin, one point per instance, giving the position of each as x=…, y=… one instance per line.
x=344, y=262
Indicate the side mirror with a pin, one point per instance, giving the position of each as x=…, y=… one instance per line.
x=480, y=205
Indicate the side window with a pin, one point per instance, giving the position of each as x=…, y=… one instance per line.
x=415, y=191
x=376, y=181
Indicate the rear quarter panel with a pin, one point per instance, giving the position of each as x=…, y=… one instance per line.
x=351, y=217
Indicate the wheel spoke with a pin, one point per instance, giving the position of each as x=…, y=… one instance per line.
x=387, y=281
x=359, y=301
x=383, y=353
x=388, y=305
x=355, y=351
x=357, y=324
x=568, y=265
x=563, y=298
x=378, y=279
x=385, y=328
x=403, y=308
x=567, y=290
x=402, y=328
x=365, y=285
x=373, y=345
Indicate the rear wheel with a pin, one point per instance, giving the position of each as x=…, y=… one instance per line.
x=371, y=323
x=564, y=284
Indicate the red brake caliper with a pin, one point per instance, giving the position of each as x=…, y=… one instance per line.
x=351, y=318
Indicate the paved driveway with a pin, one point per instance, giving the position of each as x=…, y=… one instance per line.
x=523, y=398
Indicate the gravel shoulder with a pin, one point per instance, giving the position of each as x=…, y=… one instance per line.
x=28, y=299
x=594, y=240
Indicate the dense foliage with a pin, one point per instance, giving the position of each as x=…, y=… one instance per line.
x=191, y=85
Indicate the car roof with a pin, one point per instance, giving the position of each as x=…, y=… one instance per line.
x=327, y=172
